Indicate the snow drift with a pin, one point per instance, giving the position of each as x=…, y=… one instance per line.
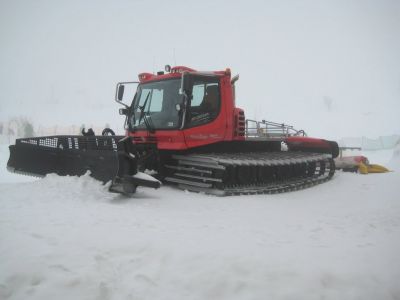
x=68, y=238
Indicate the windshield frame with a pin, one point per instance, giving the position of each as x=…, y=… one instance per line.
x=135, y=108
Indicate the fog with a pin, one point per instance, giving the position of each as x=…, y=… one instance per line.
x=331, y=68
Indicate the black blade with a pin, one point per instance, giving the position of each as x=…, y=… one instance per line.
x=66, y=155
x=128, y=184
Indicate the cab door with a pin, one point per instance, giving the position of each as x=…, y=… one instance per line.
x=205, y=121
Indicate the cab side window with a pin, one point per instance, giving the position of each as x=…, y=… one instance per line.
x=205, y=103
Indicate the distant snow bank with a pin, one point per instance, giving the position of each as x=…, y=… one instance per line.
x=6, y=140
x=395, y=160
x=380, y=143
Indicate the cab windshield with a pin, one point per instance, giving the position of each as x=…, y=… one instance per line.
x=154, y=106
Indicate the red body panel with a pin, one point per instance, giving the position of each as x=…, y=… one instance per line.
x=302, y=143
x=307, y=142
x=165, y=139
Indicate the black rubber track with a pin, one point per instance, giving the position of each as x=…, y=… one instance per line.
x=249, y=173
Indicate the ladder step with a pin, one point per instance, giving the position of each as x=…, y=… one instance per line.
x=191, y=169
x=200, y=164
x=188, y=182
x=199, y=177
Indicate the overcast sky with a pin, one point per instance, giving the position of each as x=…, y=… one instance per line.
x=329, y=67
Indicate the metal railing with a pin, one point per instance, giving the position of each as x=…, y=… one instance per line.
x=268, y=129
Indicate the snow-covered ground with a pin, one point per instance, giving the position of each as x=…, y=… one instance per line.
x=68, y=238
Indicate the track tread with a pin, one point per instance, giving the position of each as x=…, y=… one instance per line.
x=320, y=165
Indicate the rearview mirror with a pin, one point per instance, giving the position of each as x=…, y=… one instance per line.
x=123, y=111
x=121, y=90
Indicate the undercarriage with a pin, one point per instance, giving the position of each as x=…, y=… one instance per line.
x=250, y=173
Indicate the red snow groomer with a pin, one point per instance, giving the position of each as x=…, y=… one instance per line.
x=184, y=128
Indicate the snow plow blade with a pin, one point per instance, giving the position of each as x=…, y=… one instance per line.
x=127, y=177
x=65, y=155
x=128, y=184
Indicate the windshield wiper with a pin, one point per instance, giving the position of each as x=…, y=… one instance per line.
x=146, y=118
x=143, y=107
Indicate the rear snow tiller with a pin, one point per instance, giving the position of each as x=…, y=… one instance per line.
x=184, y=128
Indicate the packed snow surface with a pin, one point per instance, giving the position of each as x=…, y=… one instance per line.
x=144, y=176
x=69, y=238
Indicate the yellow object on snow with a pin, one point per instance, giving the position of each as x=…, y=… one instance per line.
x=373, y=168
